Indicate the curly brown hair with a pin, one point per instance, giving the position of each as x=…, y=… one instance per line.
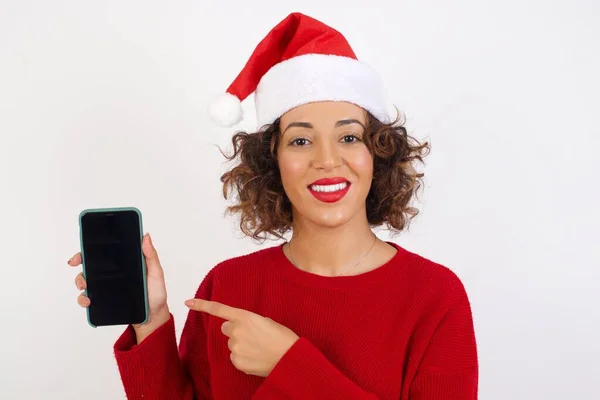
x=264, y=207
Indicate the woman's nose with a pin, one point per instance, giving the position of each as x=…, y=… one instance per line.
x=327, y=156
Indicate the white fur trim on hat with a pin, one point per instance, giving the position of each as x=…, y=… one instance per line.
x=226, y=110
x=318, y=77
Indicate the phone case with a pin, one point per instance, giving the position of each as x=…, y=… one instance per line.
x=143, y=258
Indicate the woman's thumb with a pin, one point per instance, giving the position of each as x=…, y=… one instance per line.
x=152, y=261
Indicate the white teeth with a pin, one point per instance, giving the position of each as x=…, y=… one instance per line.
x=329, y=188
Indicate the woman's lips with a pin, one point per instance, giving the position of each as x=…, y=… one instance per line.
x=329, y=190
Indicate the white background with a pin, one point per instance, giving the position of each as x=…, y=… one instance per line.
x=102, y=103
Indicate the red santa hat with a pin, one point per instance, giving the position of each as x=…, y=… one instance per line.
x=301, y=60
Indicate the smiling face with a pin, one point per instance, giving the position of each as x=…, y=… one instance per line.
x=326, y=168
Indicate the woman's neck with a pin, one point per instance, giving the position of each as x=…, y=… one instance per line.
x=330, y=251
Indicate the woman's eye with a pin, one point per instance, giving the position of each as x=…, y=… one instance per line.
x=299, y=142
x=350, y=139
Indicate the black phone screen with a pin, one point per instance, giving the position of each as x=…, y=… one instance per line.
x=114, y=269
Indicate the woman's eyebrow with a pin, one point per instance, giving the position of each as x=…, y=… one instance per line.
x=308, y=125
x=343, y=122
x=298, y=124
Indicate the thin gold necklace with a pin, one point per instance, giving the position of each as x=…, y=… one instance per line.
x=347, y=269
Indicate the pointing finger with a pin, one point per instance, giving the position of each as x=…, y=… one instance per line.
x=217, y=309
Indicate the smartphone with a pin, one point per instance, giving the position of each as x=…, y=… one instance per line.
x=114, y=266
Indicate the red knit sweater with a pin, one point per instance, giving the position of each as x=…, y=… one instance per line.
x=401, y=331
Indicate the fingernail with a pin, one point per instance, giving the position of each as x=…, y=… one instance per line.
x=70, y=259
x=189, y=303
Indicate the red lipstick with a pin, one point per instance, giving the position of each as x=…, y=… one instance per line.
x=329, y=190
x=330, y=181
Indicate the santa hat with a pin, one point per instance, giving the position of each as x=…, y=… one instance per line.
x=301, y=60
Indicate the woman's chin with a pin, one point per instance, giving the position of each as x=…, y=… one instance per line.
x=331, y=218
x=329, y=214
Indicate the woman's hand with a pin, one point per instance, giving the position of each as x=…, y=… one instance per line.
x=157, y=292
x=256, y=343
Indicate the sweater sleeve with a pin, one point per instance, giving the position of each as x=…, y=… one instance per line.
x=156, y=369
x=449, y=367
x=305, y=373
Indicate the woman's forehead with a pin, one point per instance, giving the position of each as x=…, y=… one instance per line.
x=327, y=112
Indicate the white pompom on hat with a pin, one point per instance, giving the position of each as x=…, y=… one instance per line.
x=226, y=110
x=301, y=60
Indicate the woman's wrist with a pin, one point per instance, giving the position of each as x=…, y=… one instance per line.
x=156, y=320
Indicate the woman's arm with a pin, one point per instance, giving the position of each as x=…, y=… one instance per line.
x=155, y=369
x=449, y=367
x=305, y=373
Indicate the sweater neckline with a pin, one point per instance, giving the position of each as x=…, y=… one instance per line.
x=290, y=271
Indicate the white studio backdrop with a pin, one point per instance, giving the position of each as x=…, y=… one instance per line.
x=103, y=104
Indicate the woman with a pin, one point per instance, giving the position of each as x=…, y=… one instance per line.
x=335, y=312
